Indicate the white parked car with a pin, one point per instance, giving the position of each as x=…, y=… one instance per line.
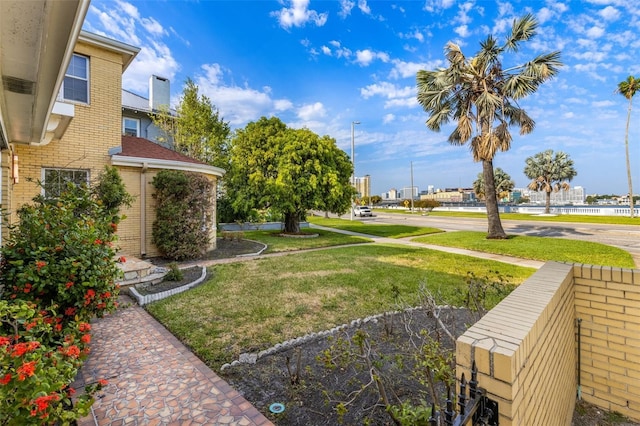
x=362, y=211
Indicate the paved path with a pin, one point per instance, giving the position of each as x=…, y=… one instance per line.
x=154, y=379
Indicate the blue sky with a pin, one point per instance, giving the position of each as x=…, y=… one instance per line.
x=325, y=64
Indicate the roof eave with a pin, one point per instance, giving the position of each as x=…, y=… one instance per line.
x=154, y=163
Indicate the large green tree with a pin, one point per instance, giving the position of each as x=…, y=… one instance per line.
x=289, y=170
x=481, y=96
x=504, y=184
x=549, y=173
x=197, y=129
x=628, y=89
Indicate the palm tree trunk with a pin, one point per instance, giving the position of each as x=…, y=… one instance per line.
x=626, y=147
x=547, y=205
x=495, y=230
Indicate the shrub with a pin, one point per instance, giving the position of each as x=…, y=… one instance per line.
x=184, y=214
x=175, y=273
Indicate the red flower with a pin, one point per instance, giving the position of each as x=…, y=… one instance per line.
x=57, y=327
x=40, y=264
x=69, y=284
x=83, y=326
x=42, y=403
x=103, y=382
x=72, y=351
x=71, y=391
x=4, y=341
x=70, y=312
x=114, y=226
x=98, y=242
x=86, y=338
x=122, y=259
x=106, y=295
x=6, y=379
x=101, y=305
x=26, y=370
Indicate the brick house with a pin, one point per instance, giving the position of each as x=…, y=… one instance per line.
x=61, y=115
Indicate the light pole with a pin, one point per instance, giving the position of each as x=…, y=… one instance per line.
x=353, y=162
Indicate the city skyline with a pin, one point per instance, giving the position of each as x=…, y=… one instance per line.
x=326, y=64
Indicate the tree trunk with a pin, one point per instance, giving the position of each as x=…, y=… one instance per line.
x=626, y=147
x=547, y=205
x=495, y=230
x=291, y=223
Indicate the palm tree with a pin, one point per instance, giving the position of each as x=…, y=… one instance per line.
x=549, y=173
x=478, y=93
x=628, y=89
x=503, y=182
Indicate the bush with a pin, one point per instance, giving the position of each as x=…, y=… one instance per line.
x=184, y=214
x=175, y=273
x=58, y=271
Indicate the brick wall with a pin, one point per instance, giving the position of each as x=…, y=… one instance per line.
x=526, y=352
x=608, y=303
x=95, y=128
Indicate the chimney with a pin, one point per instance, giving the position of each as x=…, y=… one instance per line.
x=158, y=92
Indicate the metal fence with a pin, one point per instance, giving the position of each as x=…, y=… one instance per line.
x=474, y=408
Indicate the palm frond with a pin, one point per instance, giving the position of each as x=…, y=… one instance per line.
x=521, y=30
x=628, y=87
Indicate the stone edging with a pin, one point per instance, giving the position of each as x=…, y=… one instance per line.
x=258, y=253
x=143, y=300
x=253, y=357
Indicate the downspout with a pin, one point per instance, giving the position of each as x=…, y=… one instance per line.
x=579, y=358
x=143, y=210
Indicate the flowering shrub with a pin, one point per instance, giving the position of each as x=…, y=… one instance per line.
x=62, y=253
x=36, y=369
x=57, y=272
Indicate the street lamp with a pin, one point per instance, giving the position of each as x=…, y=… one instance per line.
x=353, y=162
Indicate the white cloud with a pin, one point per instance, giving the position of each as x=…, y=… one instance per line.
x=388, y=118
x=366, y=57
x=238, y=105
x=568, y=115
x=345, y=8
x=595, y=32
x=123, y=22
x=402, y=69
x=438, y=5
x=602, y=104
x=298, y=15
x=311, y=111
x=326, y=50
x=404, y=103
x=364, y=7
x=544, y=15
x=462, y=31
x=387, y=90
x=610, y=13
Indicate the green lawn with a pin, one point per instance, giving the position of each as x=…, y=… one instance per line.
x=250, y=306
x=613, y=220
x=276, y=243
x=538, y=248
x=377, y=229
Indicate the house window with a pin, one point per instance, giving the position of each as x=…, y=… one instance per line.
x=75, y=86
x=130, y=126
x=56, y=180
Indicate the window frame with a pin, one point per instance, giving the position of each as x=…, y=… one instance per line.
x=86, y=181
x=87, y=79
x=124, y=127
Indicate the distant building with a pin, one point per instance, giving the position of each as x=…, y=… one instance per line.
x=391, y=195
x=575, y=195
x=408, y=193
x=363, y=186
x=451, y=195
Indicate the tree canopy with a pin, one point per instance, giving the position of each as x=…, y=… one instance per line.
x=549, y=173
x=481, y=96
x=197, y=130
x=289, y=170
x=504, y=184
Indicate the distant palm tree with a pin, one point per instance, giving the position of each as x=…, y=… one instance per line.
x=628, y=89
x=549, y=173
x=503, y=182
x=477, y=93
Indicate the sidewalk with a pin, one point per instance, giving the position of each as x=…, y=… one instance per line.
x=154, y=379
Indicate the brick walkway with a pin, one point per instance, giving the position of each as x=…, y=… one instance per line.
x=154, y=379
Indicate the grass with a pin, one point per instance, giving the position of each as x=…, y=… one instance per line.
x=537, y=248
x=612, y=220
x=250, y=306
x=377, y=229
x=276, y=243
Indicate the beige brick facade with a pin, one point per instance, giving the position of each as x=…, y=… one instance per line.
x=526, y=348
